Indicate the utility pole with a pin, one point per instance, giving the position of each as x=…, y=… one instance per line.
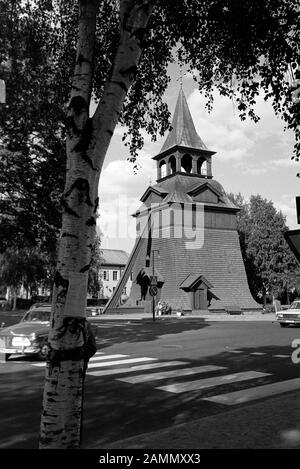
x=153, y=284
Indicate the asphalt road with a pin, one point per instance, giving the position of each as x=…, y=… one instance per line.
x=195, y=362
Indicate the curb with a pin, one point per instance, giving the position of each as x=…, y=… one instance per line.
x=203, y=318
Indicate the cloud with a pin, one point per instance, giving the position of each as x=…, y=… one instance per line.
x=254, y=170
x=223, y=131
x=120, y=191
x=219, y=129
x=285, y=163
x=118, y=177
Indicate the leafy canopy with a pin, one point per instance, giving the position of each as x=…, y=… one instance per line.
x=32, y=152
x=238, y=46
x=269, y=262
x=241, y=47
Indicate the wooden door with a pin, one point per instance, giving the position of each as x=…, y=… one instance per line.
x=200, y=298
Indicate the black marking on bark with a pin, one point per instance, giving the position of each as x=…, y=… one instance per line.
x=68, y=209
x=78, y=104
x=129, y=71
x=85, y=268
x=110, y=132
x=68, y=235
x=88, y=160
x=90, y=246
x=91, y=221
x=48, y=414
x=71, y=126
x=86, y=136
x=139, y=34
x=83, y=186
x=80, y=59
x=57, y=432
x=75, y=326
x=85, y=139
x=60, y=281
x=96, y=204
x=121, y=84
x=46, y=440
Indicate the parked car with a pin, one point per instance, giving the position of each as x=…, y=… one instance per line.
x=29, y=336
x=290, y=316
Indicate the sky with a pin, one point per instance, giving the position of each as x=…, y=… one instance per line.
x=250, y=159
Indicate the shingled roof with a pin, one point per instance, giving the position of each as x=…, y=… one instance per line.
x=178, y=194
x=113, y=257
x=182, y=186
x=183, y=130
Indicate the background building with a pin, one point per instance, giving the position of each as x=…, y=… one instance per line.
x=113, y=262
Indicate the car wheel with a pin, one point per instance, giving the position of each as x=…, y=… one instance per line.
x=6, y=356
x=43, y=350
x=283, y=324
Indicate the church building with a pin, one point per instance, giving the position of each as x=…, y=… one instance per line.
x=187, y=242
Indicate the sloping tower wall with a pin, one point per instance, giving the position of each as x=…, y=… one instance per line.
x=185, y=179
x=219, y=260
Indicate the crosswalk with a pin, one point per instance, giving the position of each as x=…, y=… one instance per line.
x=213, y=383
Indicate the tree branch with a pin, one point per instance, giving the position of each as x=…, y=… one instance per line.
x=83, y=73
x=134, y=18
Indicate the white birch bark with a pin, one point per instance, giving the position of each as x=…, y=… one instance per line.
x=87, y=144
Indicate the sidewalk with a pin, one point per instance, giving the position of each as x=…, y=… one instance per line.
x=246, y=316
x=271, y=424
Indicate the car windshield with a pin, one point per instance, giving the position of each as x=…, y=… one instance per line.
x=41, y=316
x=295, y=305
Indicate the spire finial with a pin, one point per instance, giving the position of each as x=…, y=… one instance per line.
x=180, y=75
x=180, y=78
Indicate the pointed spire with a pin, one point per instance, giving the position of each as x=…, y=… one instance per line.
x=183, y=130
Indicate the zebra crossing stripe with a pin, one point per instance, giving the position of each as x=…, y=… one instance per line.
x=97, y=360
x=258, y=392
x=257, y=353
x=131, y=369
x=121, y=362
x=235, y=351
x=178, y=388
x=281, y=356
x=106, y=357
x=171, y=373
x=99, y=356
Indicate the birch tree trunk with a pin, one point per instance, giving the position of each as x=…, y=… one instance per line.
x=87, y=143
